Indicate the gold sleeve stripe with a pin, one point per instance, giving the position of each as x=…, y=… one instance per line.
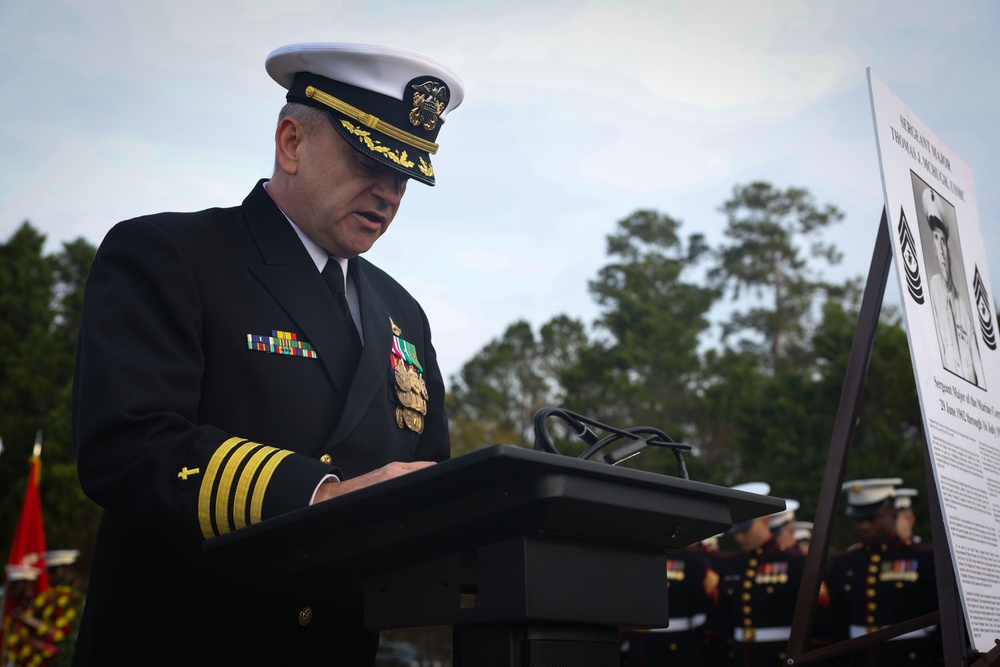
x=243, y=486
x=260, y=488
x=222, y=522
x=207, y=482
x=371, y=121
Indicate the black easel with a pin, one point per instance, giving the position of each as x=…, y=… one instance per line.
x=950, y=615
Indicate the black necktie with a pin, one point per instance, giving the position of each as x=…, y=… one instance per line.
x=334, y=277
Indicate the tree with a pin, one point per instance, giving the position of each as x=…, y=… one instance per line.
x=762, y=256
x=889, y=435
x=782, y=422
x=72, y=266
x=30, y=362
x=729, y=378
x=40, y=301
x=754, y=411
x=654, y=318
x=496, y=393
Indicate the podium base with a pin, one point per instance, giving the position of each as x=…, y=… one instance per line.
x=534, y=645
x=541, y=580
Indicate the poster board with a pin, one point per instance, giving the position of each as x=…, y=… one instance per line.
x=948, y=305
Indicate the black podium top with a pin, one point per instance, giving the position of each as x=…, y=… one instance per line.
x=484, y=497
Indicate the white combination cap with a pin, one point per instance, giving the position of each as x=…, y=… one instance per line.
x=22, y=573
x=58, y=557
x=761, y=489
x=387, y=103
x=934, y=211
x=904, y=498
x=803, y=530
x=779, y=519
x=865, y=497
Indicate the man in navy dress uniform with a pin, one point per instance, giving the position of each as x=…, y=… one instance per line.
x=239, y=363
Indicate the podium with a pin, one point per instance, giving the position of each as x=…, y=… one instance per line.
x=534, y=559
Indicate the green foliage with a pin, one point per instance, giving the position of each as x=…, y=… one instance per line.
x=497, y=393
x=762, y=256
x=729, y=379
x=27, y=281
x=40, y=300
x=655, y=319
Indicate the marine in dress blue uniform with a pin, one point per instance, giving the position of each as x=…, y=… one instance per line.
x=803, y=535
x=882, y=580
x=691, y=589
x=758, y=592
x=783, y=525
x=906, y=518
x=217, y=385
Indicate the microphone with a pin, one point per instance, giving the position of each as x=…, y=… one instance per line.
x=640, y=437
x=580, y=429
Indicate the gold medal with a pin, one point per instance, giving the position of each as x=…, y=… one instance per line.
x=400, y=422
x=419, y=404
x=413, y=421
x=422, y=386
x=405, y=397
x=403, y=379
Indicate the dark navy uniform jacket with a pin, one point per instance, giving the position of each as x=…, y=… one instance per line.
x=187, y=426
x=871, y=587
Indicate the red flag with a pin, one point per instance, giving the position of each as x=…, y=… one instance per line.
x=28, y=546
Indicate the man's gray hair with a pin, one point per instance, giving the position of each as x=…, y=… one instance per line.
x=309, y=117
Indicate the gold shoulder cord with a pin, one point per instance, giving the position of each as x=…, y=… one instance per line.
x=371, y=121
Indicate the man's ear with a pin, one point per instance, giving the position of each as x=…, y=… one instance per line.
x=288, y=139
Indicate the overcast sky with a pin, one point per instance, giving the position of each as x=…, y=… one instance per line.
x=576, y=114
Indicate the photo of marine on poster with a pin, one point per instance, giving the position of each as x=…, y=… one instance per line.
x=950, y=315
x=953, y=323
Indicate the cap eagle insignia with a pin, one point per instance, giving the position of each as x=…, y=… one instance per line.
x=429, y=100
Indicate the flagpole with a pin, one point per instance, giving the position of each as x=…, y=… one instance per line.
x=7, y=620
x=28, y=544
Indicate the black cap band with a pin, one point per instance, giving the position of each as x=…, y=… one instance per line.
x=397, y=133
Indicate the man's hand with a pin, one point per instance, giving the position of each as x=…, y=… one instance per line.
x=333, y=489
